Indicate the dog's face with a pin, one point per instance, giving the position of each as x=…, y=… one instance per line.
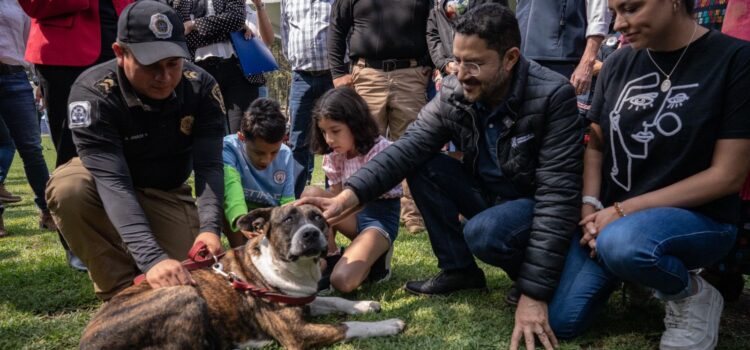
x=294, y=232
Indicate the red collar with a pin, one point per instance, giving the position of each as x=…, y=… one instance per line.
x=199, y=257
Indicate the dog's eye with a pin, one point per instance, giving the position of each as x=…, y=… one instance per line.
x=288, y=219
x=317, y=217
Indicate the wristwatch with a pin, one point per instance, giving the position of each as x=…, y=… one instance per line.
x=592, y=201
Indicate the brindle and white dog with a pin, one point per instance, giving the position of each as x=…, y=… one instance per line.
x=213, y=315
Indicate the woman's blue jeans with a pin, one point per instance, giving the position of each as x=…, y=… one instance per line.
x=18, y=111
x=655, y=248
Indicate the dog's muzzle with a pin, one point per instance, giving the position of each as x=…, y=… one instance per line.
x=308, y=241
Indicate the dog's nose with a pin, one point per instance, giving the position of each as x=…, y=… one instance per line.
x=310, y=235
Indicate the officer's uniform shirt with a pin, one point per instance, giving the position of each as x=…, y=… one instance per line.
x=127, y=142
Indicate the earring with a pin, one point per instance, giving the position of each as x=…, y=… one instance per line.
x=675, y=6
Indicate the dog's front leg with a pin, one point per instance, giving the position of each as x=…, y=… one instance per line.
x=329, y=305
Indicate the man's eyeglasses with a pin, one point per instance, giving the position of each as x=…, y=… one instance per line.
x=470, y=68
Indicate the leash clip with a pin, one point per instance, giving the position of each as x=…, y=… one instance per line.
x=219, y=269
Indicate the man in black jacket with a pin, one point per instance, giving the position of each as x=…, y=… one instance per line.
x=518, y=184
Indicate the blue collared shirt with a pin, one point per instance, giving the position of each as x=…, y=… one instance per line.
x=489, y=123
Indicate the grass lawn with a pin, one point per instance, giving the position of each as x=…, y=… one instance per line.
x=45, y=305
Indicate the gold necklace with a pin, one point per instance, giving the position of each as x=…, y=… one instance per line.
x=666, y=84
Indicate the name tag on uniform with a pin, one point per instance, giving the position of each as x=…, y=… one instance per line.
x=79, y=114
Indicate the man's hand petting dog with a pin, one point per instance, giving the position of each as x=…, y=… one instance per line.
x=334, y=209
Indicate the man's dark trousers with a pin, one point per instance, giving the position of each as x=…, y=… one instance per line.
x=496, y=233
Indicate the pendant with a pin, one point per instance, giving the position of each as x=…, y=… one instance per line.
x=665, y=85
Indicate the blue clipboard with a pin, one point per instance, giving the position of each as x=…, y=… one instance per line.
x=253, y=54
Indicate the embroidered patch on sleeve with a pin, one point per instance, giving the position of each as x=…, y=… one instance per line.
x=79, y=114
x=216, y=93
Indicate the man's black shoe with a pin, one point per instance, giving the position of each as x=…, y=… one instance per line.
x=448, y=282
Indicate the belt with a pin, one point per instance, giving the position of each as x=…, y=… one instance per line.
x=10, y=69
x=313, y=73
x=388, y=65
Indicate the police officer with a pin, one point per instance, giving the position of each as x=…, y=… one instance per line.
x=141, y=123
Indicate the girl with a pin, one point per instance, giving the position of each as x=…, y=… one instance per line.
x=345, y=132
x=670, y=138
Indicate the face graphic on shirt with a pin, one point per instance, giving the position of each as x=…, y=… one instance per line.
x=338, y=136
x=641, y=116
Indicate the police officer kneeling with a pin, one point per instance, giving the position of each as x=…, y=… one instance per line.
x=141, y=123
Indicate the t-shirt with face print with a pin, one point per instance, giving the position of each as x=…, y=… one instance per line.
x=656, y=134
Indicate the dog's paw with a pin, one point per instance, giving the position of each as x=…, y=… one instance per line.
x=393, y=326
x=374, y=329
x=366, y=306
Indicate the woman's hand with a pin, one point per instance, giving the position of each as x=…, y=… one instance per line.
x=248, y=32
x=595, y=223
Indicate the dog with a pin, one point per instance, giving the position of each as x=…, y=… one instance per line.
x=283, y=259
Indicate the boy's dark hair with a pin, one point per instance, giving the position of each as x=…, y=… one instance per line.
x=346, y=106
x=264, y=120
x=494, y=23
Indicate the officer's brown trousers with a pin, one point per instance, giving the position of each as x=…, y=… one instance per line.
x=77, y=209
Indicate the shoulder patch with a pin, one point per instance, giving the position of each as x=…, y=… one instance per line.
x=190, y=74
x=279, y=177
x=105, y=85
x=79, y=114
x=216, y=93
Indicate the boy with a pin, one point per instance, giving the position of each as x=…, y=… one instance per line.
x=258, y=168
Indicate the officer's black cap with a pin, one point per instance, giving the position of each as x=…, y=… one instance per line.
x=153, y=31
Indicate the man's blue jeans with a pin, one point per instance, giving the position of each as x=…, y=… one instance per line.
x=7, y=151
x=18, y=111
x=655, y=248
x=495, y=233
x=305, y=90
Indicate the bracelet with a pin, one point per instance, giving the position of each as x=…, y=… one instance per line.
x=618, y=209
x=592, y=201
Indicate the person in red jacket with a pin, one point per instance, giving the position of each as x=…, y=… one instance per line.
x=66, y=38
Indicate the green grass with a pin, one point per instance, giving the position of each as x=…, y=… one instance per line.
x=45, y=305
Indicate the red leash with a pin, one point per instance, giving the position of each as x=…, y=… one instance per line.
x=200, y=257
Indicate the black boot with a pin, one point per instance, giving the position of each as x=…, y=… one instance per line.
x=447, y=282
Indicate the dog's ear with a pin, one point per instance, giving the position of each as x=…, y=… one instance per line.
x=254, y=221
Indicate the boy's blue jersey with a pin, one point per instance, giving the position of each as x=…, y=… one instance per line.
x=272, y=186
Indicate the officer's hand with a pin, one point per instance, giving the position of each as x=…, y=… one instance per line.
x=211, y=240
x=344, y=80
x=168, y=273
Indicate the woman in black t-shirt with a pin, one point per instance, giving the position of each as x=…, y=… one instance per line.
x=670, y=138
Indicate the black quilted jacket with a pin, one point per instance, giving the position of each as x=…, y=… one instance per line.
x=541, y=152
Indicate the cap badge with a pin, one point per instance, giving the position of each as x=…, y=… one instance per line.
x=160, y=26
